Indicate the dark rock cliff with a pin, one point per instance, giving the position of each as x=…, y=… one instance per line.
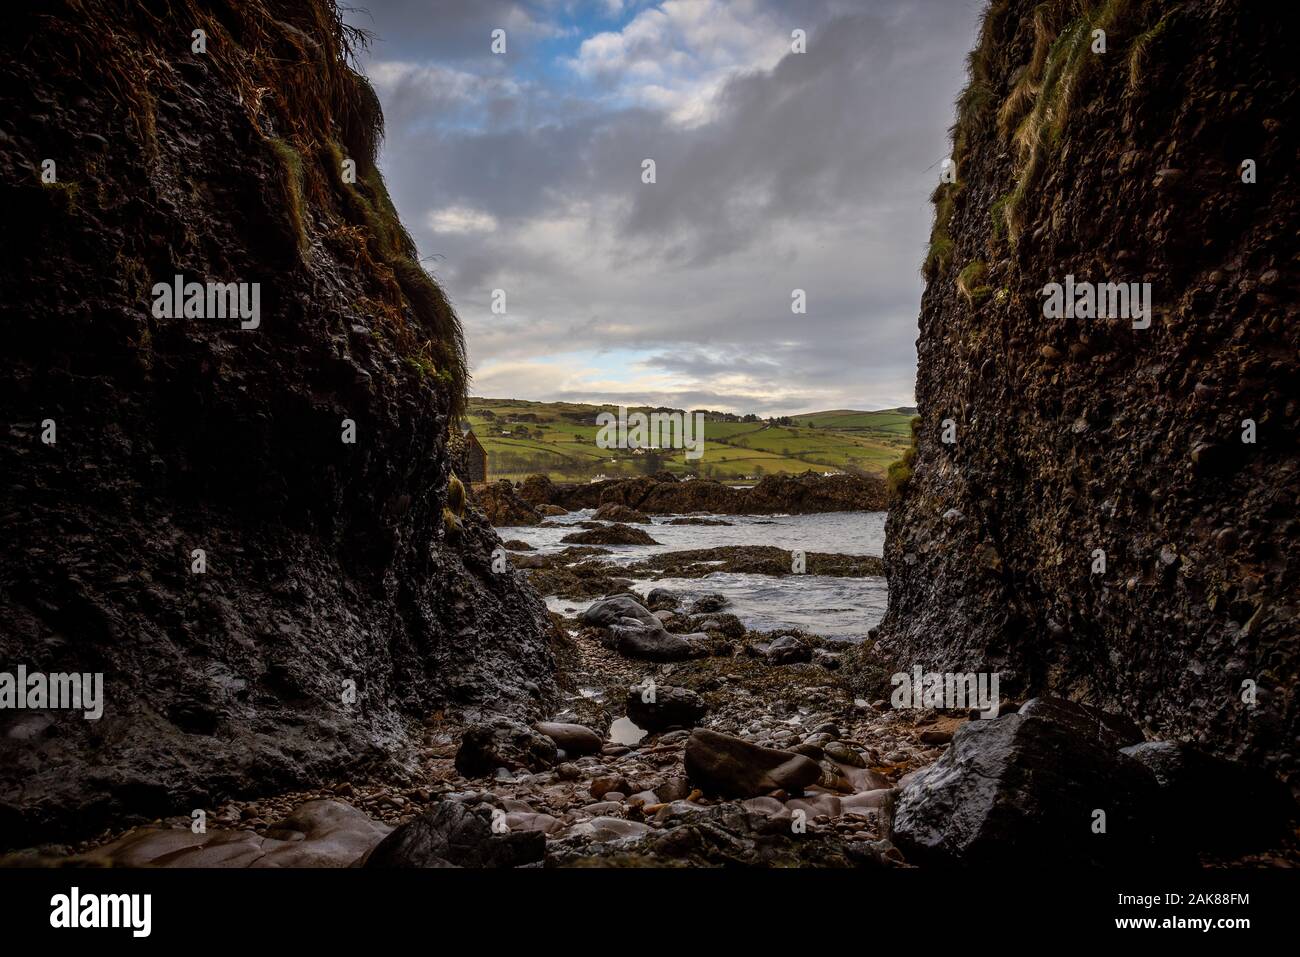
x=327, y=562
x=1074, y=435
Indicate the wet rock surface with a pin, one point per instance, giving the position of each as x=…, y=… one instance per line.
x=657, y=709
x=613, y=512
x=451, y=835
x=753, y=560
x=1186, y=775
x=733, y=767
x=503, y=743
x=1028, y=788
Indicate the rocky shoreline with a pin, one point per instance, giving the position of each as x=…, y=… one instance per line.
x=685, y=740
x=579, y=572
x=626, y=500
x=680, y=737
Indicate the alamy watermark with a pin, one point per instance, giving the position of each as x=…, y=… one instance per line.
x=75, y=909
x=946, y=690
x=179, y=299
x=37, y=691
x=658, y=430
x=1106, y=300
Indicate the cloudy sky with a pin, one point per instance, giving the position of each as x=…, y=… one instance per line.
x=776, y=171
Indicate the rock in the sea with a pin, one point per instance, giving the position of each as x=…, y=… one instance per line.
x=609, y=611
x=787, y=650
x=537, y=491
x=1191, y=780
x=610, y=535
x=790, y=494
x=452, y=835
x=707, y=604
x=661, y=599
x=671, y=707
x=613, y=512
x=503, y=506
x=503, y=743
x=1028, y=790
x=573, y=739
x=632, y=630
x=733, y=767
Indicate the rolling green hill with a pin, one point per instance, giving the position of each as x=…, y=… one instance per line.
x=558, y=439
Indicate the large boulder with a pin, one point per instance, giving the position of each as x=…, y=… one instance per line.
x=1025, y=789
x=609, y=611
x=573, y=739
x=734, y=768
x=1111, y=731
x=650, y=643
x=1190, y=779
x=503, y=506
x=537, y=491
x=707, y=604
x=671, y=708
x=503, y=743
x=451, y=835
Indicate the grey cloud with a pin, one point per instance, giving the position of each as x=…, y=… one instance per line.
x=815, y=174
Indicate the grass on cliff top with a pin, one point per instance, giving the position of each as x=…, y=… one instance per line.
x=1035, y=111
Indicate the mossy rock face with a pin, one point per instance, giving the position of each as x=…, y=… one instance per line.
x=970, y=283
x=292, y=177
x=456, y=495
x=1119, y=166
x=900, y=472
x=64, y=197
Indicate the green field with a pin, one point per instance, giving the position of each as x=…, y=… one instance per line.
x=558, y=439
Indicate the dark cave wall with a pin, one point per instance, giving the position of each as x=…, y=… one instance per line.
x=326, y=562
x=1083, y=434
